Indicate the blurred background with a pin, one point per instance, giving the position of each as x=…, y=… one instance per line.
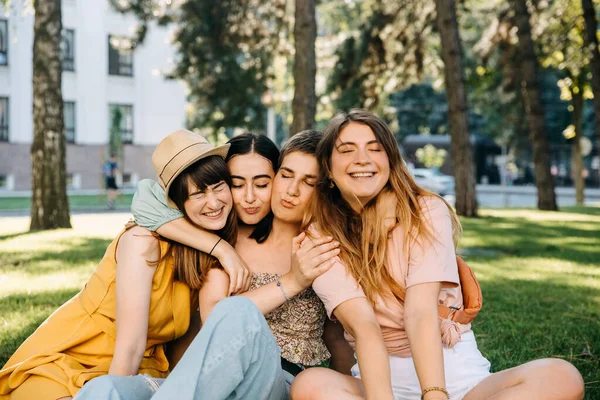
x=491, y=101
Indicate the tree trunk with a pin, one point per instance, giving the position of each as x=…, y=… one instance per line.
x=305, y=67
x=534, y=109
x=591, y=41
x=462, y=157
x=576, y=158
x=49, y=204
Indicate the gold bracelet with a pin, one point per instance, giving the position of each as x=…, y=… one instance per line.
x=434, y=389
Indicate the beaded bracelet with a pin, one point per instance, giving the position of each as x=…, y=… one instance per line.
x=281, y=288
x=435, y=389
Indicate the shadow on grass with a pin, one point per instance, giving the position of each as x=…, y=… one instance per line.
x=37, y=307
x=582, y=210
x=12, y=235
x=522, y=320
x=525, y=238
x=83, y=251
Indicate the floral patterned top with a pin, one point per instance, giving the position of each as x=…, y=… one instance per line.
x=297, y=324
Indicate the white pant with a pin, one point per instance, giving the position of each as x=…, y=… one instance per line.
x=464, y=367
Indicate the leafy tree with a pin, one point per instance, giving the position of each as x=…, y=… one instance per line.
x=49, y=204
x=225, y=54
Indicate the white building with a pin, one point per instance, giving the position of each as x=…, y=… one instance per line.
x=97, y=77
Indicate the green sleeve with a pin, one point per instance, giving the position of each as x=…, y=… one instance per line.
x=149, y=206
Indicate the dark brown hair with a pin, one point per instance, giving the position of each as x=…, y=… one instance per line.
x=248, y=143
x=191, y=265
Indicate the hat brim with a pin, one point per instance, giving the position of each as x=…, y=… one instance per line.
x=220, y=151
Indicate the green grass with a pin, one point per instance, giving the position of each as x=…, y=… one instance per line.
x=539, y=271
x=75, y=201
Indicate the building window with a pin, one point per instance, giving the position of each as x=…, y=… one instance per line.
x=69, y=115
x=3, y=182
x=3, y=119
x=122, y=115
x=3, y=42
x=120, y=56
x=68, y=50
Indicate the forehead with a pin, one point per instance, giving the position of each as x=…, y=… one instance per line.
x=301, y=163
x=249, y=165
x=356, y=132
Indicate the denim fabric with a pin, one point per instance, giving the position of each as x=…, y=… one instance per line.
x=234, y=356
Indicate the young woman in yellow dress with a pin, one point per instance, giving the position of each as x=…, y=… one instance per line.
x=141, y=296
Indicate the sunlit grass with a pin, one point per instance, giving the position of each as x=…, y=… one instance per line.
x=539, y=271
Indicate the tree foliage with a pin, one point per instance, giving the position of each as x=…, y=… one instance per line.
x=225, y=51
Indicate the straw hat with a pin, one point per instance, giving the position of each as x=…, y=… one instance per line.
x=178, y=151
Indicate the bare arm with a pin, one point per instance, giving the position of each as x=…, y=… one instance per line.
x=423, y=330
x=133, y=290
x=150, y=210
x=182, y=231
x=310, y=258
x=359, y=320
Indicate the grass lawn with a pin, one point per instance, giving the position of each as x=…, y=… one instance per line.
x=75, y=201
x=539, y=271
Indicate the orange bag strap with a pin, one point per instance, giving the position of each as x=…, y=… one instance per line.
x=471, y=293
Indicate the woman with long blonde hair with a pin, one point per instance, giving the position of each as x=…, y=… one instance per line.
x=398, y=246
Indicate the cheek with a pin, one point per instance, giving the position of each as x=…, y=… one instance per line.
x=264, y=195
x=192, y=207
x=237, y=196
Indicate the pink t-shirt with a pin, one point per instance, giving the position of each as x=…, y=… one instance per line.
x=431, y=261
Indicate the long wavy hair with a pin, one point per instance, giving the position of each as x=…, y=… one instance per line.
x=191, y=265
x=363, y=236
x=248, y=143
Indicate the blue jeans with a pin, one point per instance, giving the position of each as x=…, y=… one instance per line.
x=234, y=356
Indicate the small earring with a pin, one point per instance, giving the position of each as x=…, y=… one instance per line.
x=331, y=184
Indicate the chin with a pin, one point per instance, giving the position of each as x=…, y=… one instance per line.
x=212, y=225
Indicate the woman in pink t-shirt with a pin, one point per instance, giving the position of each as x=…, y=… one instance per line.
x=399, y=241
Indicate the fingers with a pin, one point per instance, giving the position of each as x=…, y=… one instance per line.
x=297, y=241
x=247, y=279
x=323, y=248
x=310, y=244
x=323, y=258
x=324, y=267
x=232, y=283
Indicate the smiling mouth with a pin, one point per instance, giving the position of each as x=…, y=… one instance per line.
x=362, y=174
x=214, y=214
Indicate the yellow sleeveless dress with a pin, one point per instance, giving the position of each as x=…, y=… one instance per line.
x=76, y=343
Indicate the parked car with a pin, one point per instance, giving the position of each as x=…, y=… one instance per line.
x=434, y=180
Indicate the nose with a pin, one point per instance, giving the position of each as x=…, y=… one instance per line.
x=293, y=188
x=249, y=196
x=362, y=156
x=212, y=201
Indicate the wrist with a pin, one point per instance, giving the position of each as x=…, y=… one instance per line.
x=222, y=249
x=290, y=286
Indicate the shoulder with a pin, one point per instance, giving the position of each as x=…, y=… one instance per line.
x=138, y=240
x=434, y=207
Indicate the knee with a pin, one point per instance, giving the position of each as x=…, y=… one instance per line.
x=309, y=385
x=571, y=381
x=236, y=306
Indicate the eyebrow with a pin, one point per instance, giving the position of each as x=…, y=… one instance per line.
x=293, y=172
x=253, y=178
